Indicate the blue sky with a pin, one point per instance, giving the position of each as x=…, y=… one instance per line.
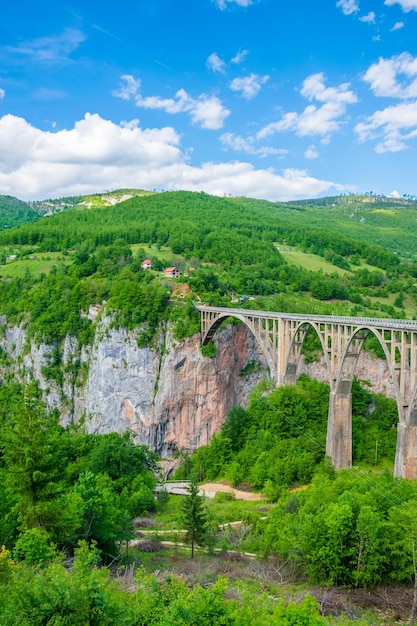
x=263, y=98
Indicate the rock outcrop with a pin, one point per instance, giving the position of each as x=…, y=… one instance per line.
x=170, y=397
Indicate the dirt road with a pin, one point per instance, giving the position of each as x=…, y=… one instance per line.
x=210, y=490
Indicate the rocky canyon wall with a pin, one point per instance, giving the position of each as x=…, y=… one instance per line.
x=169, y=396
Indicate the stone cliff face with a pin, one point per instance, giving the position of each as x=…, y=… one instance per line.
x=171, y=398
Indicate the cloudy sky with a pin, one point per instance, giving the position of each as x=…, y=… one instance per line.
x=264, y=98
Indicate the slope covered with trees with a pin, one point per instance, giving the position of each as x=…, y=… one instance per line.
x=228, y=246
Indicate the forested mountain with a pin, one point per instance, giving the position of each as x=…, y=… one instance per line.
x=227, y=246
x=14, y=212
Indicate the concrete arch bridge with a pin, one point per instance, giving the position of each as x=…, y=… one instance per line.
x=281, y=337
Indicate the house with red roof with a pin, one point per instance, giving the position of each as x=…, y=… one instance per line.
x=171, y=272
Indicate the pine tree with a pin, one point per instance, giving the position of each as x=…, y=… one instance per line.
x=194, y=516
x=32, y=456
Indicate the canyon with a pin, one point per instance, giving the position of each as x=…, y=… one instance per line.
x=168, y=395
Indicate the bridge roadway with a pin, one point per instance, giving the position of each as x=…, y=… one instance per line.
x=281, y=337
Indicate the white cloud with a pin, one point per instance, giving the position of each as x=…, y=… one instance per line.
x=369, y=18
x=206, y=111
x=97, y=154
x=92, y=141
x=250, y=85
x=247, y=146
x=348, y=6
x=53, y=49
x=215, y=63
x=406, y=5
x=2, y=93
x=129, y=89
x=383, y=77
x=314, y=89
x=242, y=179
x=393, y=126
x=397, y=26
x=222, y=4
x=311, y=153
x=315, y=120
x=239, y=56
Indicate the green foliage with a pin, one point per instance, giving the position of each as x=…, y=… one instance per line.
x=31, y=448
x=34, y=546
x=186, y=320
x=119, y=458
x=14, y=212
x=57, y=487
x=236, y=427
x=374, y=421
x=350, y=530
x=86, y=594
x=142, y=500
x=162, y=497
x=54, y=595
x=228, y=246
x=209, y=350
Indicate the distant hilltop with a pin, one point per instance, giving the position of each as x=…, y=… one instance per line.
x=14, y=212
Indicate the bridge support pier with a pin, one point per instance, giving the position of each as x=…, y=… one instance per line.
x=289, y=377
x=406, y=454
x=339, y=430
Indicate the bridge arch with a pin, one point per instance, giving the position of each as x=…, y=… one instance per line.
x=350, y=356
x=294, y=350
x=253, y=327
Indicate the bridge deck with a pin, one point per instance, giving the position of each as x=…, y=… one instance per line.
x=378, y=322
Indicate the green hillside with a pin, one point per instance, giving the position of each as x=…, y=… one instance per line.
x=389, y=222
x=14, y=212
x=285, y=257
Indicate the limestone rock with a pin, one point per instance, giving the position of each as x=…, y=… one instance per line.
x=169, y=396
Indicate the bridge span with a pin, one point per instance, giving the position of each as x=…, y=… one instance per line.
x=281, y=337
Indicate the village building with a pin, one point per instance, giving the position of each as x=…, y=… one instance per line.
x=171, y=272
x=146, y=264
